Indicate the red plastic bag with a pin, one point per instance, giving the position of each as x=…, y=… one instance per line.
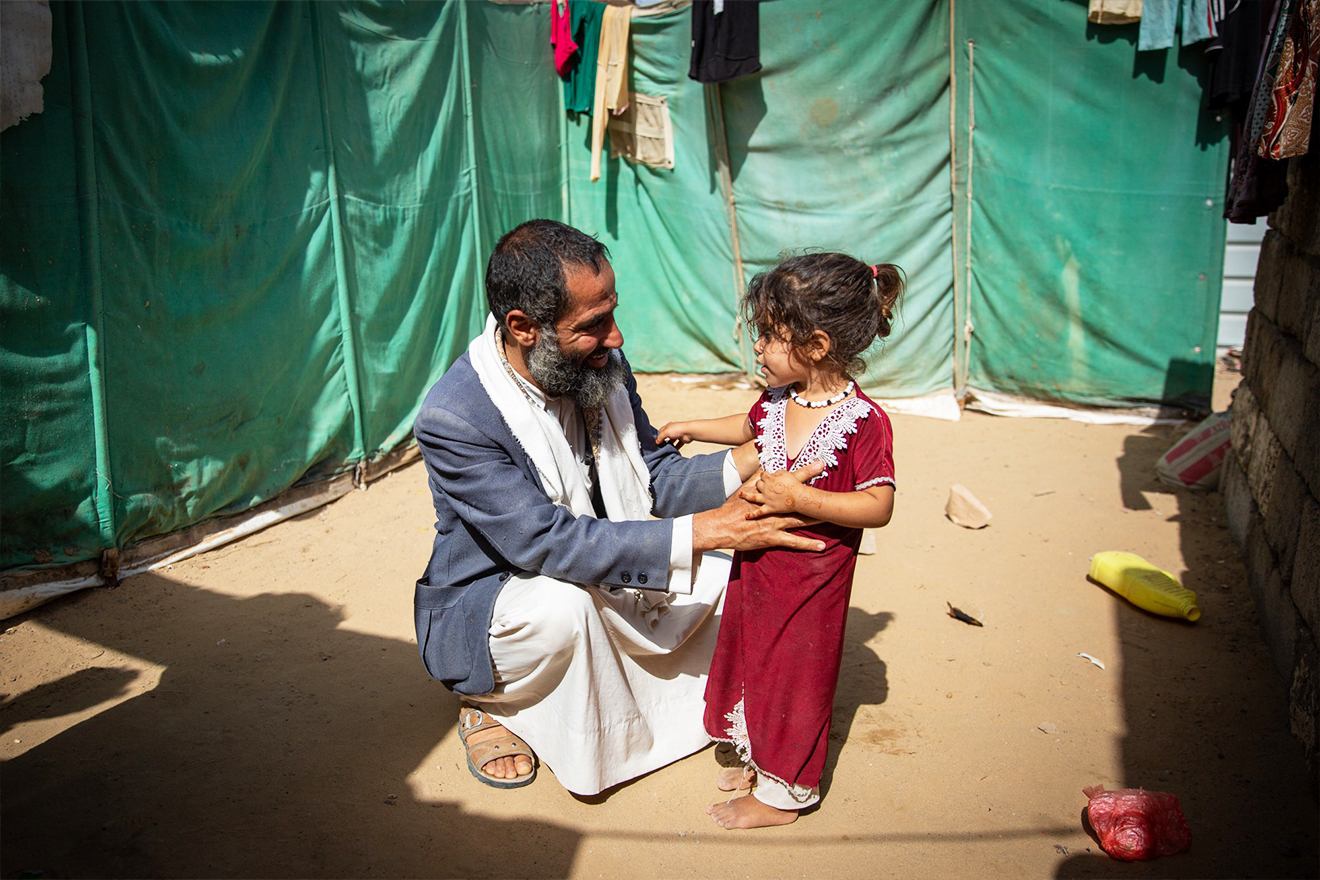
x=1134, y=824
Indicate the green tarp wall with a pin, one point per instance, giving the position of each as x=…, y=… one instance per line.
x=1096, y=231
x=243, y=238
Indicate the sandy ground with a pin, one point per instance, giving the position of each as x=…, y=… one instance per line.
x=260, y=710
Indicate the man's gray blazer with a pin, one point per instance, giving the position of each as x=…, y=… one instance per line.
x=493, y=518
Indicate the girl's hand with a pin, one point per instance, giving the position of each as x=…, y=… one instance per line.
x=780, y=492
x=677, y=433
x=725, y=431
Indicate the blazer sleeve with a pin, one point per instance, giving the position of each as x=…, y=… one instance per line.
x=492, y=493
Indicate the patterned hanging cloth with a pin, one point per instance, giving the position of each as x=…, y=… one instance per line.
x=1287, y=129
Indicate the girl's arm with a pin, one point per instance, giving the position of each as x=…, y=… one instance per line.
x=731, y=430
x=783, y=492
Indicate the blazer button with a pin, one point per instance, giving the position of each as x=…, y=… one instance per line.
x=641, y=577
x=626, y=578
x=504, y=576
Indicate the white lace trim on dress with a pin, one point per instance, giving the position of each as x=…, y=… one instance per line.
x=828, y=438
x=737, y=733
x=876, y=482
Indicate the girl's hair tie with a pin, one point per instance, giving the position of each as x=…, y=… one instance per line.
x=875, y=271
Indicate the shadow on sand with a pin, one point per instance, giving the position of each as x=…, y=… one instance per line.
x=275, y=745
x=1189, y=691
x=863, y=681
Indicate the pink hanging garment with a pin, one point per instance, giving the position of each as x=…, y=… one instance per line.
x=561, y=36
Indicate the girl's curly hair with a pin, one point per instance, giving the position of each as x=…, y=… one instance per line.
x=851, y=301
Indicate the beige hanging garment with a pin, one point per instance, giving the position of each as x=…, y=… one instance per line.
x=611, y=77
x=642, y=132
x=1114, y=11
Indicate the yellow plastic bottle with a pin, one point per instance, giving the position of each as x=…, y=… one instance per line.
x=1143, y=584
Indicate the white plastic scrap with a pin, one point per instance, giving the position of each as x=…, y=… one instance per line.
x=1099, y=663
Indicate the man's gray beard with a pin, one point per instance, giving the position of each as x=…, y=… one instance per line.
x=559, y=375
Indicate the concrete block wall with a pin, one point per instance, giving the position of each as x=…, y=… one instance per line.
x=1271, y=482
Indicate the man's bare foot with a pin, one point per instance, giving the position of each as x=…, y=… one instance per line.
x=748, y=812
x=510, y=767
x=735, y=779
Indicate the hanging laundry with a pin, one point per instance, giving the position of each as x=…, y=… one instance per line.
x=1265, y=77
x=1114, y=12
x=580, y=70
x=1160, y=21
x=726, y=42
x=643, y=133
x=1234, y=58
x=561, y=36
x=1200, y=20
x=1259, y=185
x=611, y=77
x=1233, y=61
x=1287, y=129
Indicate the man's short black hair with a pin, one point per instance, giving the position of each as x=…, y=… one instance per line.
x=526, y=270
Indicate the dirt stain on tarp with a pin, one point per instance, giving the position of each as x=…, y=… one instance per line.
x=823, y=112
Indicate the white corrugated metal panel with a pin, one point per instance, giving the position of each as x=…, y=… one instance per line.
x=1241, y=253
x=1245, y=233
x=1240, y=260
x=1236, y=298
x=1232, y=331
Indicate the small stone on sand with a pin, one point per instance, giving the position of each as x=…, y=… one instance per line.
x=965, y=510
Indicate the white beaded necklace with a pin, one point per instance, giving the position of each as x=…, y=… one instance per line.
x=816, y=404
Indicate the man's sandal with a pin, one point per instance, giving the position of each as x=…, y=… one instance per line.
x=481, y=753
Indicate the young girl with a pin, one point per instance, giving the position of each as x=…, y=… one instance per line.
x=776, y=664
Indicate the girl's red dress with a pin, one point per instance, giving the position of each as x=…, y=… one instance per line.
x=776, y=663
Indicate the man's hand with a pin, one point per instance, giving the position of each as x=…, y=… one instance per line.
x=728, y=527
x=780, y=492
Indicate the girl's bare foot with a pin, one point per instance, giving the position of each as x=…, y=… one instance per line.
x=748, y=812
x=735, y=779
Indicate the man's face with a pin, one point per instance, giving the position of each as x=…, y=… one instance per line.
x=587, y=330
x=574, y=357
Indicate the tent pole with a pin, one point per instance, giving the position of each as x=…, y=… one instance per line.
x=470, y=168
x=958, y=317
x=962, y=262
x=965, y=331
x=342, y=298
x=103, y=489
x=726, y=183
x=565, y=205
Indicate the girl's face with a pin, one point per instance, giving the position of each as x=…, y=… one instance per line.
x=779, y=361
